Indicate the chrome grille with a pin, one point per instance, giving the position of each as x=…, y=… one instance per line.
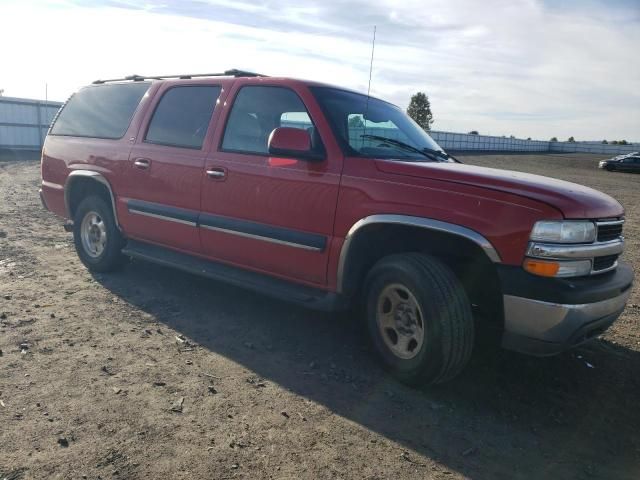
x=609, y=230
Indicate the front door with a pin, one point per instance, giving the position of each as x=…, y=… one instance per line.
x=266, y=213
x=166, y=165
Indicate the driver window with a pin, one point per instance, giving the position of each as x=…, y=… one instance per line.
x=257, y=111
x=182, y=116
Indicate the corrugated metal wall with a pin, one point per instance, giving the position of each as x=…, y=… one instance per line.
x=465, y=141
x=24, y=122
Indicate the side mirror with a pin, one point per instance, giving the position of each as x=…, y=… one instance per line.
x=292, y=142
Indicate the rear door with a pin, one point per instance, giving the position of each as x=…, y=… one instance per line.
x=267, y=213
x=166, y=164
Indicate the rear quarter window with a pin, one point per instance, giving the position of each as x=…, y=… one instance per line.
x=102, y=111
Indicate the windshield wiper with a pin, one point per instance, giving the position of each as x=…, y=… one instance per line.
x=431, y=154
x=442, y=154
x=434, y=155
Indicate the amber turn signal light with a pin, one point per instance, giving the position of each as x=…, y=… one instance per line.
x=542, y=268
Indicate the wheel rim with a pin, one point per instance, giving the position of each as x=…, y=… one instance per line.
x=93, y=233
x=400, y=321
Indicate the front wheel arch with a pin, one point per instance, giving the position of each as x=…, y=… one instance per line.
x=468, y=260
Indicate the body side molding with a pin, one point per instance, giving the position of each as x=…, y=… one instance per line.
x=98, y=177
x=420, y=222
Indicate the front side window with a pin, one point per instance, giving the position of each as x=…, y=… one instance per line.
x=182, y=116
x=368, y=127
x=102, y=111
x=257, y=111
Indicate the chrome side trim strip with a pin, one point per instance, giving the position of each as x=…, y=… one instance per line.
x=560, y=252
x=420, y=222
x=162, y=217
x=259, y=237
x=98, y=177
x=55, y=186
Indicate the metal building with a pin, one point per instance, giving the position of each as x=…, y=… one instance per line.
x=24, y=123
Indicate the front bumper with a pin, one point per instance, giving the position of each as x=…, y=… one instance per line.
x=549, y=316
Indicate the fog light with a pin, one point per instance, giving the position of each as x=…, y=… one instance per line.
x=552, y=268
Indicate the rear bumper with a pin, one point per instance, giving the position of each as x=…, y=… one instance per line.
x=42, y=201
x=568, y=316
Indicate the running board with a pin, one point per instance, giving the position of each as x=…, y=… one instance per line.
x=273, y=287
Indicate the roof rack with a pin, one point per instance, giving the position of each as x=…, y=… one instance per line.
x=139, y=78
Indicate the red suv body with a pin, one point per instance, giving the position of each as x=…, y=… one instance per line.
x=318, y=194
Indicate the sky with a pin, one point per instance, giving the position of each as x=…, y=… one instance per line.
x=529, y=68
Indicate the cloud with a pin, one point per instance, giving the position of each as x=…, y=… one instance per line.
x=522, y=67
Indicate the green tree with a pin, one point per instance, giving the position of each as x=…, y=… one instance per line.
x=473, y=132
x=604, y=142
x=420, y=110
x=623, y=142
x=554, y=139
x=571, y=140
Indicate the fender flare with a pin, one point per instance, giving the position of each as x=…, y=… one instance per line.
x=96, y=176
x=410, y=221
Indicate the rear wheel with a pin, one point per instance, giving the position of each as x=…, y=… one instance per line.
x=418, y=318
x=96, y=236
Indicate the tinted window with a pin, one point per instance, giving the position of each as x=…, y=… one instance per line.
x=257, y=111
x=362, y=124
x=103, y=111
x=183, y=115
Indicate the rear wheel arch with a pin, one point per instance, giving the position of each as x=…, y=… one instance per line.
x=83, y=183
x=471, y=256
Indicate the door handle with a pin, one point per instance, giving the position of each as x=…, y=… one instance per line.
x=142, y=163
x=216, y=172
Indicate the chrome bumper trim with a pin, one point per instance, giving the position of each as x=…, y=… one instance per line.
x=576, y=251
x=554, y=322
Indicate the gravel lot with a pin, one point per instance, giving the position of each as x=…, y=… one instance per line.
x=152, y=373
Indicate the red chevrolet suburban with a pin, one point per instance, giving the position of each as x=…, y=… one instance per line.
x=330, y=198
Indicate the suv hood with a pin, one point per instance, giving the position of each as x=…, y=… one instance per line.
x=573, y=200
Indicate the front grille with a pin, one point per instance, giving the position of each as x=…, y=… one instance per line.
x=602, y=263
x=609, y=231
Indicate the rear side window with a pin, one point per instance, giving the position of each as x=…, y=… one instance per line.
x=183, y=115
x=103, y=111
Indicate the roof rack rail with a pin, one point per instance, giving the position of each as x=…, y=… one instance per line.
x=234, y=72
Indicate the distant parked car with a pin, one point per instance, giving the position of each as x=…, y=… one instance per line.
x=622, y=163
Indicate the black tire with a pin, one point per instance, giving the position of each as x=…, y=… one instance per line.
x=446, y=318
x=110, y=257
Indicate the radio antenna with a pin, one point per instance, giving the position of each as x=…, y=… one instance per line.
x=366, y=108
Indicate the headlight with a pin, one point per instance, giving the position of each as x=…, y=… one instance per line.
x=568, y=231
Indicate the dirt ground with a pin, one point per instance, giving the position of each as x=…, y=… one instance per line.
x=153, y=373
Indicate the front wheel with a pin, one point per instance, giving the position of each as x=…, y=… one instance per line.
x=96, y=236
x=418, y=318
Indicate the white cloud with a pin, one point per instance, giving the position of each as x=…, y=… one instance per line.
x=501, y=67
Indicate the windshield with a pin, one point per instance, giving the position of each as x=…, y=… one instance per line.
x=362, y=127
